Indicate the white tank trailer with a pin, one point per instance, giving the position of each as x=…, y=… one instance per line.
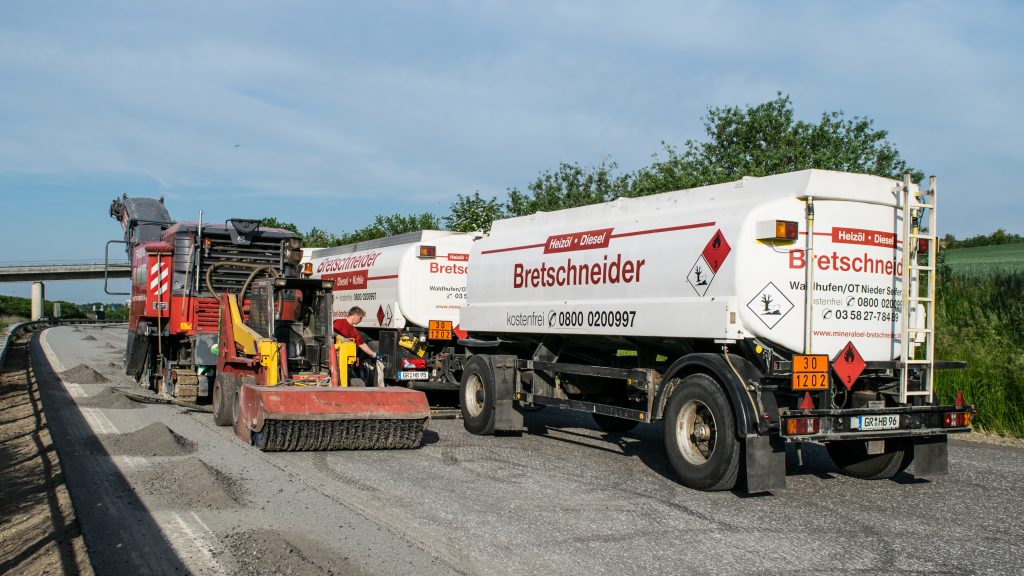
x=698, y=308
x=412, y=287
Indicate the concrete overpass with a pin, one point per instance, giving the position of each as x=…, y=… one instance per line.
x=42, y=272
x=37, y=273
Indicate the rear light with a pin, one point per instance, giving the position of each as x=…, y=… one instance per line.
x=414, y=364
x=785, y=230
x=922, y=244
x=428, y=251
x=956, y=419
x=802, y=426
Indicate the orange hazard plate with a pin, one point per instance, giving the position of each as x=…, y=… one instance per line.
x=439, y=330
x=810, y=372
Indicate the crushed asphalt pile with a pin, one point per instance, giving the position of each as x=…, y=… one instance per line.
x=153, y=440
x=109, y=398
x=268, y=553
x=83, y=374
x=190, y=479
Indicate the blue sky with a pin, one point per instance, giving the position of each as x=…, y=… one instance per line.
x=341, y=111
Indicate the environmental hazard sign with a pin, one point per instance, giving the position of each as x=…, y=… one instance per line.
x=770, y=305
x=710, y=261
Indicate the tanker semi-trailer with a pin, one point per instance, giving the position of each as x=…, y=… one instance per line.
x=698, y=308
x=411, y=287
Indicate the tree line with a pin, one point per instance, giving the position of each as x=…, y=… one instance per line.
x=752, y=140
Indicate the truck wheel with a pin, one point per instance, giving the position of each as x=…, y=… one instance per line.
x=613, y=425
x=476, y=396
x=700, y=435
x=224, y=392
x=852, y=458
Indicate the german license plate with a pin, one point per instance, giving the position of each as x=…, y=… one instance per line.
x=413, y=375
x=886, y=422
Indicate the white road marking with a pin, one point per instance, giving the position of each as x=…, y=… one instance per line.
x=75, y=390
x=134, y=462
x=55, y=362
x=98, y=421
x=200, y=542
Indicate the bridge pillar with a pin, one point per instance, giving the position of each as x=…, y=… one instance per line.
x=38, y=298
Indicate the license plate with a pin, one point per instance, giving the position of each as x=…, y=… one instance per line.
x=417, y=375
x=887, y=422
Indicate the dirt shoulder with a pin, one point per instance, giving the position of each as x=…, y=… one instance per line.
x=40, y=533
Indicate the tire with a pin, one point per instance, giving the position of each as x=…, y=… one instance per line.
x=700, y=435
x=613, y=425
x=224, y=391
x=852, y=458
x=476, y=396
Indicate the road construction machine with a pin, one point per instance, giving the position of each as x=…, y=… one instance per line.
x=177, y=271
x=283, y=377
x=220, y=308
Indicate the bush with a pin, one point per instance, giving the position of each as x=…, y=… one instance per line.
x=981, y=320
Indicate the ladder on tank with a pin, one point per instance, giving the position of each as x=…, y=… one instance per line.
x=917, y=316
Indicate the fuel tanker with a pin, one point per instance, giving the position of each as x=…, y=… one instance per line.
x=411, y=287
x=787, y=308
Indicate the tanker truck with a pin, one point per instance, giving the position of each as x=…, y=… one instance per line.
x=782, y=309
x=411, y=287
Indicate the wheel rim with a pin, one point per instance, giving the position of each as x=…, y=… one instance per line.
x=473, y=397
x=696, y=432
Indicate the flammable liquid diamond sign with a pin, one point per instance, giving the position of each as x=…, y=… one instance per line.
x=848, y=365
x=716, y=251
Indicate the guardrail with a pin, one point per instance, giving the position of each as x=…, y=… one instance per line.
x=15, y=329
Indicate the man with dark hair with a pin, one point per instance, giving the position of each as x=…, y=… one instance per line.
x=346, y=328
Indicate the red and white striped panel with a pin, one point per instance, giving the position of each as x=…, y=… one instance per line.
x=160, y=282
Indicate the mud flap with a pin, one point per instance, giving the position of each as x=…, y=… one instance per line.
x=508, y=416
x=765, y=463
x=931, y=457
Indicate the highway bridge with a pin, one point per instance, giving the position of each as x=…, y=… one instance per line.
x=44, y=272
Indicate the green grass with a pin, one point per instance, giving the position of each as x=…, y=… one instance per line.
x=985, y=260
x=980, y=319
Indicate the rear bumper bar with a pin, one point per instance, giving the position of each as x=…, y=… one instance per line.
x=914, y=421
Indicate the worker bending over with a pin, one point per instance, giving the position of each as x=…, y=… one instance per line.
x=346, y=328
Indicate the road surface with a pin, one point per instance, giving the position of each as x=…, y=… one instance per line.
x=160, y=489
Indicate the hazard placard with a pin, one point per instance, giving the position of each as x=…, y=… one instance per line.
x=716, y=251
x=439, y=330
x=848, y=365
x=810, y=372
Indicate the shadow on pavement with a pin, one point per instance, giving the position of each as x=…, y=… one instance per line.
x=120, y=533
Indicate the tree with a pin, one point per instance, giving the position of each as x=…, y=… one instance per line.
x=317, y=238
x=275, y=223
x=568, y=186
x=391, y=225
x=766, y=139
x=473, y=213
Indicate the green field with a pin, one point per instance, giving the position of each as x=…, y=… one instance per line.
x=986, y=259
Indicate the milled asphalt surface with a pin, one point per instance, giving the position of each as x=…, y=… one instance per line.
x=564, y=498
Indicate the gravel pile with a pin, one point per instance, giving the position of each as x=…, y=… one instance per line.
x=153, y=440
x=109, y=397
x=269, y=553
x=83, y=374
x=192, y=482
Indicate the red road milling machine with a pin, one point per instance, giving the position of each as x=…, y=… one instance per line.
x=219, y=310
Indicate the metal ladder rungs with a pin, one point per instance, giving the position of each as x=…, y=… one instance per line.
x=918, y=212
x=920, y=330
x=911, y=362
x=921, y=299
x=918, y=393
